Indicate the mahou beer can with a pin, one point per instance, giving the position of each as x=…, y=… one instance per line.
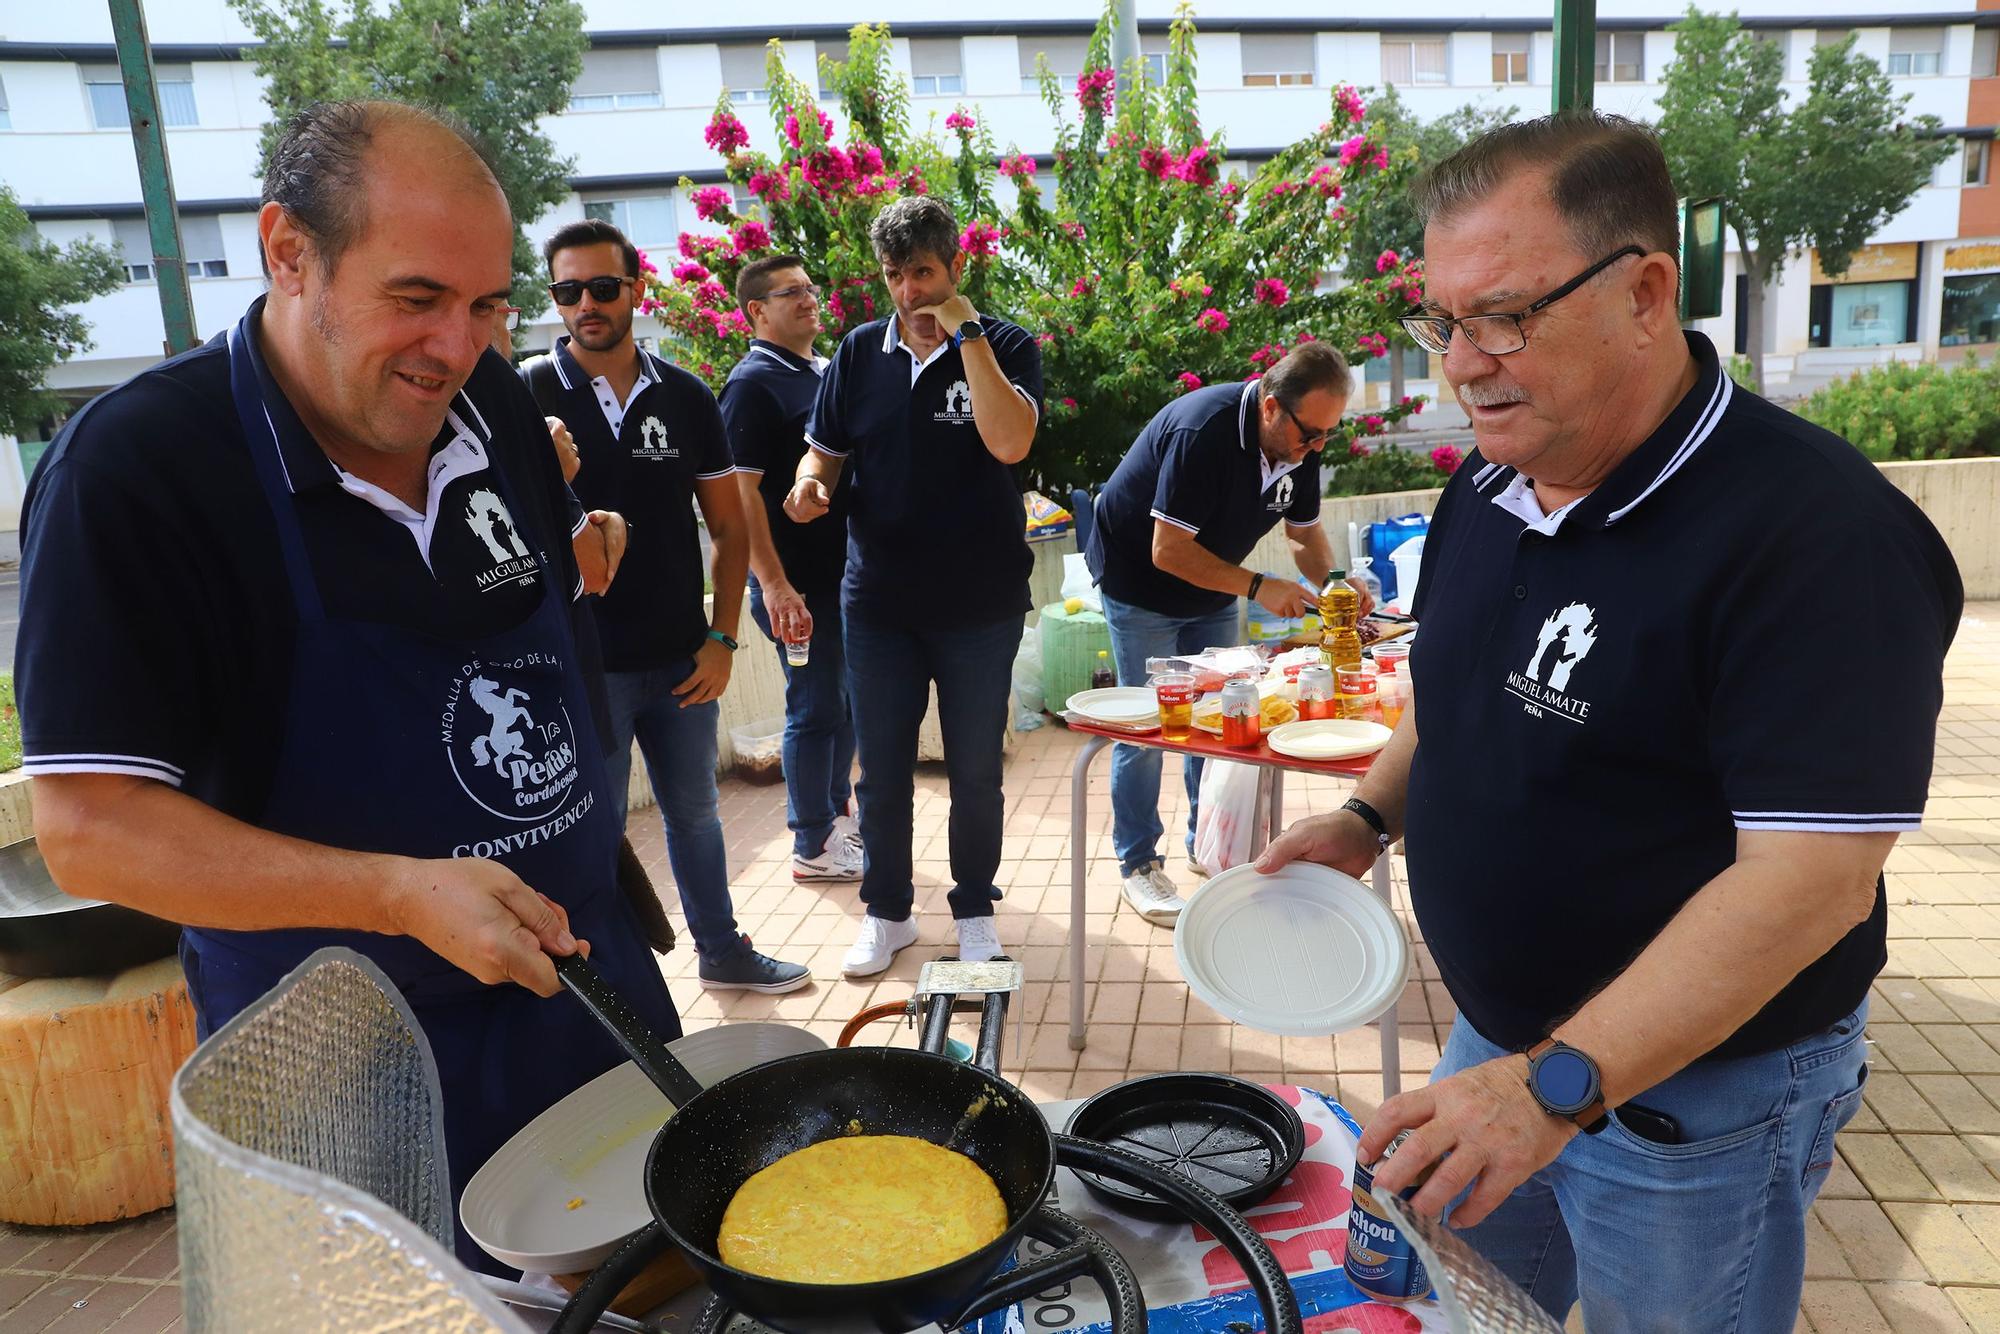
x=1380, y=1260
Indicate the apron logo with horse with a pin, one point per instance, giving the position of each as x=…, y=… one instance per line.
x=491, y=522
x=513, y=757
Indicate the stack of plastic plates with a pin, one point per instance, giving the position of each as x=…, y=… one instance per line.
x=1132, y=708
x=1328, y=738
x=1303, y=951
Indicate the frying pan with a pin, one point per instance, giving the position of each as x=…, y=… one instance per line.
x=719, y=1137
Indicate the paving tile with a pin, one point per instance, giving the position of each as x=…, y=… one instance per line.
x=102, y=1308
x=1948, y=1249
x=157, y=1313
x=1899, y=1106
x=1838, y=1307
x=1916, y=1308
x=1958, y=1102
x=1979, y=1306
x=1905, y=1049
x=1823, y=1257
x=49, y=1302
x=1869, y=1241
x=1957, y=1174
x=1886, y=1168
x=1962, y=1046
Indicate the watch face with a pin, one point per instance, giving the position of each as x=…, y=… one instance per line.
x=1565, y=1081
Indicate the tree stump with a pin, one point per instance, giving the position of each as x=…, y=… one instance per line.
x=86, y=1064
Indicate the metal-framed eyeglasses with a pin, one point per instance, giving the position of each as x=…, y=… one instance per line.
x=1499, y=333
x=605, y=288
x=511, y=316
x=1307, y=435
x=810, y=290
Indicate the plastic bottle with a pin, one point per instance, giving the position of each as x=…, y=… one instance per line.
x=1101, y=676
x=1339, y=619
x=1370, y=581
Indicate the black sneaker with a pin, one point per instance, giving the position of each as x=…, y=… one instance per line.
x=747, y=970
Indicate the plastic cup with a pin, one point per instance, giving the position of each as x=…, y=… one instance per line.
x=1391, y=657
x=1176, y=694
x=798, y=653
x=1355, y=689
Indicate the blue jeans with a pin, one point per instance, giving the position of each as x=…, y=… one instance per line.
x=1708, y=1234
x=680, y=749
x=819, y=726
x=1136, y=635
x=890, y=667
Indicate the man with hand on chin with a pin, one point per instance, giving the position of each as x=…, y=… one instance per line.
x=650, y=446
x=922, y=417
x=1648, y=867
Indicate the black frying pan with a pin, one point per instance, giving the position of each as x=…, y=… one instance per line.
x=719, y=1137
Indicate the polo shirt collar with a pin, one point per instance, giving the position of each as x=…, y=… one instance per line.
x=1246, y=436
x=892, y=338
x=1645, y=470
x=573, y=375
x=305, y=465
x=785, y=357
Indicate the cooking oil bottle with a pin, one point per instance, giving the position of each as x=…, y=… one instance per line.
x=1339, y=621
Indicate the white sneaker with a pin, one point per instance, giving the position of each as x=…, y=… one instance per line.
x=978, y=941
x=1153, y=896
x=1200, y=871
x=838, y=860
x=847, y=828
x=877, y=945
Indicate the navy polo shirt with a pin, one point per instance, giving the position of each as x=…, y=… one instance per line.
x=654, y=614
x=1197, y=465
x=936, y=531
x=765, y=403
x=1743, y=627
x=157, y=627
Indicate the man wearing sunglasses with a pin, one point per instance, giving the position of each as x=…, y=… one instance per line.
x=1647, y=808
x=1213, y=472
x=650, y=446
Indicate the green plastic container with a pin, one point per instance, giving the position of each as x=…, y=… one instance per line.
x=1070, y=645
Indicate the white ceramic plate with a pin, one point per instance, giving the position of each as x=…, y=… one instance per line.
x=592, y=1147
x=1118, y=706
x=1305, y=951
x=1328, y=738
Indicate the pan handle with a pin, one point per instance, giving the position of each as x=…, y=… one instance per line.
x=609, y=1008
x=1079, y=1252
x=590, y=1301
x=1267, y=1277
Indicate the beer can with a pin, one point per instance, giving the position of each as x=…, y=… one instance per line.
x=1380, y=1260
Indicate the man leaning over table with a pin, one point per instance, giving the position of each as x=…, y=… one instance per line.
x=1206, y=478
x=1649, y=785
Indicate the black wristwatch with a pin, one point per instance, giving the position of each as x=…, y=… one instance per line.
x=1370, y=817
x=724, y=640
x=970, y=330
x=1256, y=582
x=1565, y=1082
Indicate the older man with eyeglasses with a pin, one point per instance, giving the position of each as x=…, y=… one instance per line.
x=1206, y=479
x=1651, y=790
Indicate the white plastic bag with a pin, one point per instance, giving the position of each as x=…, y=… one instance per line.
x=1029, y=697
x=1077, y=583
x=1225, y=823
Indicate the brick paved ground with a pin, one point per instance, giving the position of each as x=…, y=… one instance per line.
x=1905, y=1238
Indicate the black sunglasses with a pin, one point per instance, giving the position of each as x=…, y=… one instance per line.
x=1498, y=334
x=1307, y=436
x=571, y=290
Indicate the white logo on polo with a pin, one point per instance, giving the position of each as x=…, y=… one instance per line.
x=1564, y=641
x=1283, y=499
x=488, y=517
x=513, y=754
x=653, y=441
x=957, y=403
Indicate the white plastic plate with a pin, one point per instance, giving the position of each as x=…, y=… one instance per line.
x=592, y=1147
x=1305, y=951
x=1119, y=706
x=1328, y=738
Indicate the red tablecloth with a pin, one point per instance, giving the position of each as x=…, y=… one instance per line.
x=1209, y=746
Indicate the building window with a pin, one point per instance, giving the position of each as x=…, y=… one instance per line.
x=1831, y=36
x=936, y=67
x=1970, y=311
x=1510, y=56
x=201, y=247
x=1277, y=59
x=1916, y=51
x=106, y=90
x=741, y=200
x=617, y=79
x=1407, y=60
x=1978, y=161
x=1985, y=53
x=743, y=73
x=1621, y=57
x=1416, y=364
x=1065, y=56
x=1153, y=54
x=647, y=220
x=828, y=53
x=6, y=120
x=1862, y=314
x=1780, y=38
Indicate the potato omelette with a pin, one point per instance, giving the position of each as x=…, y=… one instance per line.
x=860, y=1209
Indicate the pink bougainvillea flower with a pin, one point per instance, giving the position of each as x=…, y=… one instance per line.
x=1357, y=450
x=711, y=295
x=980, y=239
x=1272, y=292
x=1348, y=99
x=1189, y=380
x=1081, y=287
x=1198, y=167
x=1094, y=91
x=1371, y=423
x=709, y=201
x=1212, y=320
x=772, y=184
x=1446, y=458
x=1267, y=356
x=1323, y=180
x=726, y=134
x=645, y=264
x=1069, y=403
x=750, y=237
x=1375, y=345
x=1387, y=260
x=1156, y=162
x=961, y=121
x=690, y=271
x=794, y=135
x=1019, y=166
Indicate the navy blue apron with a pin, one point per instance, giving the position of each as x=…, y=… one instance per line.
x=396, y=741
